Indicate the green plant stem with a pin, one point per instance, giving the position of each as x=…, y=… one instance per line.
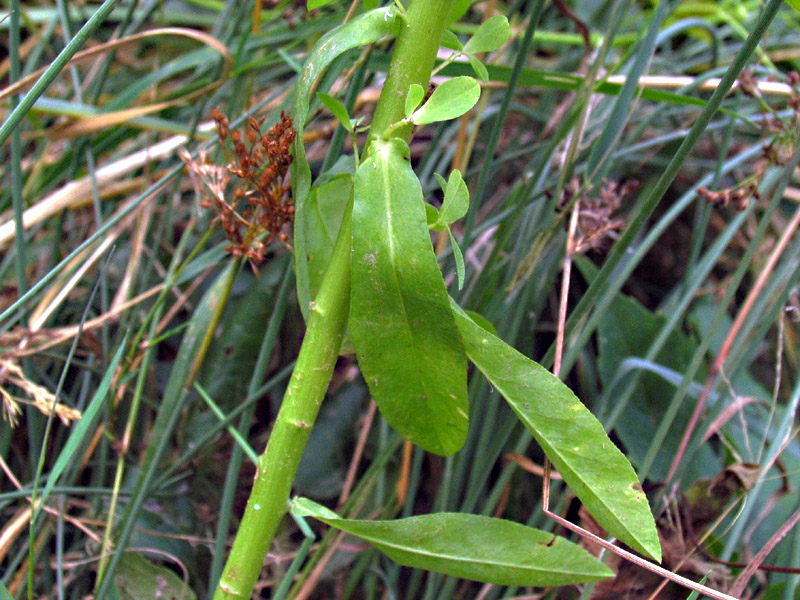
x=277, y=466
x=412, y=62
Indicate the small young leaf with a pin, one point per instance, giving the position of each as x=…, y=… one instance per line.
x=571, y=437
x=450, y=100
x=459, y=258
x=312, y=4
x=492, y=34
x=414, y=98
x=401, y=324
x=480, y=69
x=338, y=110
x=471, y=546
x=432, y=216
x=460, y=8
x=451, y=41
x=456, y=198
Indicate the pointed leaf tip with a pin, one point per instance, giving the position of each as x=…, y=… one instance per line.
x=571, y=437
x=338, y=110
x=472, y=547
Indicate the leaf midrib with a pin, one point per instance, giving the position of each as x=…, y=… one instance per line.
x=553, y=449
x=501, y=384
x=456, y=558
x=386, y=150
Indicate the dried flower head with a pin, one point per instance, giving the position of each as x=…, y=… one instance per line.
x=596, y=222
x=776, y=152
x=260, y=207
x=12, y=375
x=738, y=197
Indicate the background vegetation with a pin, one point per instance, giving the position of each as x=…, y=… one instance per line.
x=121, y=299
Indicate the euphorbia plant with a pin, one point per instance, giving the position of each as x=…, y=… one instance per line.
x=383, y=285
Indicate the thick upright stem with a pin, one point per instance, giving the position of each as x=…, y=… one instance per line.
x=412, y=62
x=277, y=466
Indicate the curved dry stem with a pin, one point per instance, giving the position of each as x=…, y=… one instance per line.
x=120, y=116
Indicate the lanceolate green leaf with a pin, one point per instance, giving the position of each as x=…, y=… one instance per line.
x=401, y=325
x=456, y=198
x=472, y=547
x=363, y=30
x=459, y=258
x=454, y=205
x=338, y=110
x=450, y=40
x=433, y=217
x=571, y=437
x=480, y=69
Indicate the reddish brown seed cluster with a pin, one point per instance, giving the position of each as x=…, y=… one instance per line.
x=596, y=222
x=737, y=197
x=261, y=162
x=776, y=152
x=781, y=147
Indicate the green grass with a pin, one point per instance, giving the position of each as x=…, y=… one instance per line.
x=152, y=470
